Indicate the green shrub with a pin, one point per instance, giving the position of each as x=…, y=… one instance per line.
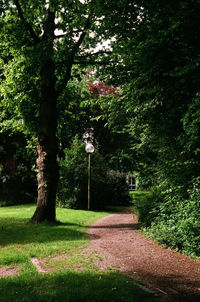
x=118, y=189
x=19, y=187
x=177, y=223
x=146, y=205
x=107, y=187
x=18, y=182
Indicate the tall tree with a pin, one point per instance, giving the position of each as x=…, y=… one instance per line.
x=41, y=41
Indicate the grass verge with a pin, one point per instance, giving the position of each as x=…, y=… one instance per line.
x=20, y=240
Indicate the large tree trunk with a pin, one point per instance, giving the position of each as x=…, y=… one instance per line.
x=47, y=141
x=47, y=148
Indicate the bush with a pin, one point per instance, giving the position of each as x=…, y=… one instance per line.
x=107, y=187
x=177, y=224
x=118, y=189
x=18, y=183
x=19, y=187
x=146, y=205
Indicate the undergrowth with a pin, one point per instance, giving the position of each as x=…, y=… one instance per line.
x=170, y=219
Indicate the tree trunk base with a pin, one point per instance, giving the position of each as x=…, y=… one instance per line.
x=43, y=214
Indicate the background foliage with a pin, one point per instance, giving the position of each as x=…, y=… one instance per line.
x=107, y=187
x=161, y=93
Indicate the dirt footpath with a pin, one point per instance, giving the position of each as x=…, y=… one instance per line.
x=117, y=239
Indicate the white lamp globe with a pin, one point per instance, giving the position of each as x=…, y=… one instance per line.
x=89, y=148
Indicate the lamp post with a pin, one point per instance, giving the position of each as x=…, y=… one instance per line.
x=89, y=148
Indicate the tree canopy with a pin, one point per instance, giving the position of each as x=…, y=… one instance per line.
x=41, y=42
x=142, y=100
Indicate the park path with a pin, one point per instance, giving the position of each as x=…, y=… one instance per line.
x=121, y=245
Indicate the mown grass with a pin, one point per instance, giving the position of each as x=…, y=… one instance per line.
x=20, y=240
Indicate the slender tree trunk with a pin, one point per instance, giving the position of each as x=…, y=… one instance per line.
x=47, y=148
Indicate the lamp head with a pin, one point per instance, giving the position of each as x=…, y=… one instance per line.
x=89, y=148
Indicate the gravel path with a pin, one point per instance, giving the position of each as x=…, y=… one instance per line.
x=117, y=239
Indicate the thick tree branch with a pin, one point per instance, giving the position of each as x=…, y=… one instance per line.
x=101, y=52
x=95, y=62
x=90, y=58
x=72, y=56
x=90, y=63
x=82, y=36
x=27, y=25
x=49, y=25
x=63, y=35
x=60, y=36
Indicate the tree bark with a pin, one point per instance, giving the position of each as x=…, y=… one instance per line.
x=48, y=172
x=47, y=148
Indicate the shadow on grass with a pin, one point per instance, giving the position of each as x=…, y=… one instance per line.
x=72, y=287
x=20, y=231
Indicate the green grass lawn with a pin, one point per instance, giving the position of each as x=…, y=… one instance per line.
x=20, y=240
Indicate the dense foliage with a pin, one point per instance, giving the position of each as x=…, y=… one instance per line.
x=162, y=97
x=40, y=44
x=107, y=187
x=17, y=170
x=177, y=222
x=171, y=219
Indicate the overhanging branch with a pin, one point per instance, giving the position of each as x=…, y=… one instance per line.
x=96, y=63
x=27, y=25
x=100, y=52
x=82, y=36
x=72, y=55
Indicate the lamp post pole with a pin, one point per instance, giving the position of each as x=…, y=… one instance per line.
x=89, y=172
x=89, y=149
